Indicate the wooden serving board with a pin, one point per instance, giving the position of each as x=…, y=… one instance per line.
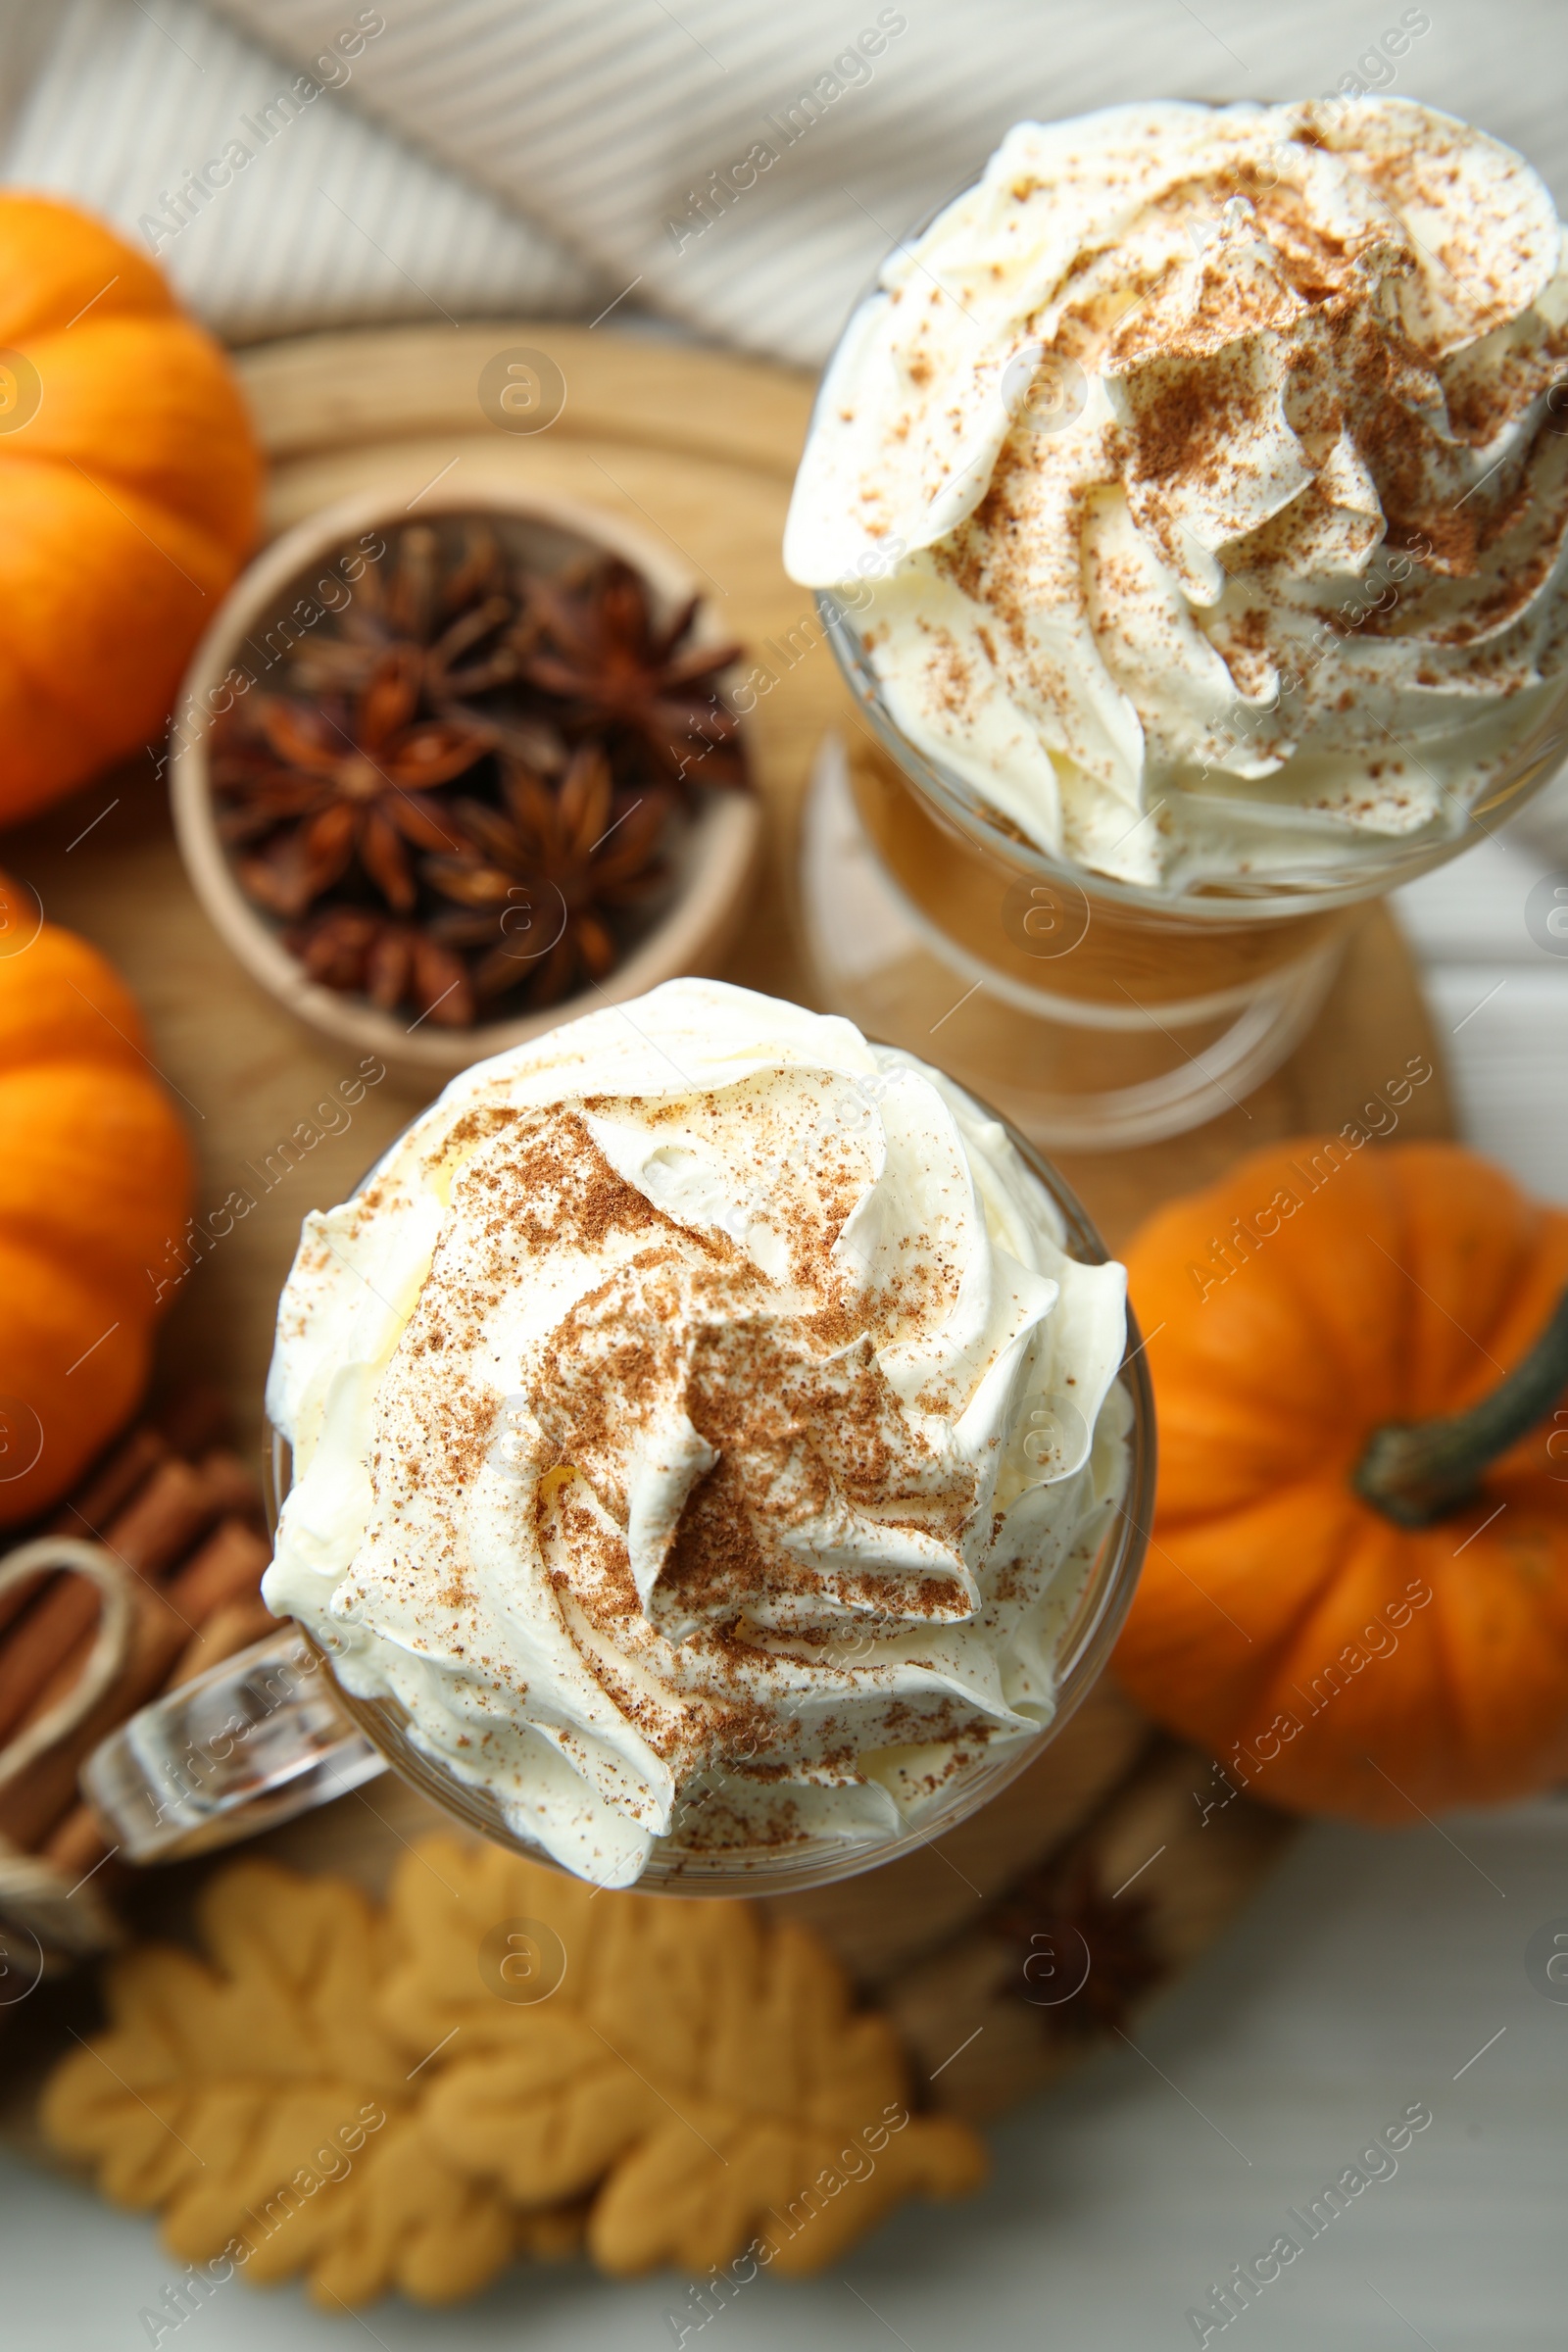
x=701, y=449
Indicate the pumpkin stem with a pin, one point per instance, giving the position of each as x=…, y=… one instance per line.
x=1415, y=1471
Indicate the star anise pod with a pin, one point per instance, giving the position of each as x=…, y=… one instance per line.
x=1054, y=1921
x=321, y=785
x=362, y=951
x=622, y=674
x=456, y=625
x=537, y=878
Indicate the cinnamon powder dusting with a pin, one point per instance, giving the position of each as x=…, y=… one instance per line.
x=697, y=1508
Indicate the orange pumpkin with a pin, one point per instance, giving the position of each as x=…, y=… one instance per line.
x=1357, y=1595
x=128, y=483
x=94, y=1187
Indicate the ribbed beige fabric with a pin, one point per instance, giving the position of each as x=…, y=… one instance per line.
x=332, y=218
x=606, y=117
x=606, y=133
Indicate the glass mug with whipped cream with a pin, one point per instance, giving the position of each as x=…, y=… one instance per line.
x=1187, y=507
x=721, y=1452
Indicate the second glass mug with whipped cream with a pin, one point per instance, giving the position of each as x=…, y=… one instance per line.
x=720, y=1456
x=1191, y=532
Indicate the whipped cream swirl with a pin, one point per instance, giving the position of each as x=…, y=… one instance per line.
x=1200, y=479
x=700, y=1431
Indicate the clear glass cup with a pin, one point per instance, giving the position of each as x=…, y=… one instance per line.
x=1095, y=1015
x=269, y=1733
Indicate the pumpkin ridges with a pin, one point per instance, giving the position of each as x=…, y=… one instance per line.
x=54, y=258
x=1521, y=1320
x=1245, y=1335
x=1506, y=1663
x=49, y=1316
x=1516, y=1322
x=61, y=1001
x=1340, y=1270
x=1252, y=1472
x=1203, y=1351
x=1472, y=1232
x=57, y=504
x=185, y=382
x=1472, y=1705
x=1215, y=1669
x=65, y=1196
x=1487, y=1367
x=1510, y=1743
x=51, y=731
x=94, y=1182
x=101, y=625
x=173, y=577
x=1329, y=1227
x=1349, y=1713
x=1356, y=1579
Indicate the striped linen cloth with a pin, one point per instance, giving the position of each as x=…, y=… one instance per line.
x=642, y=125
x=735, y=171
x=736, y=166
x=331, y=219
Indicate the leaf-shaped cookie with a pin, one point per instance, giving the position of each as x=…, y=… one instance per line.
x=699, y=2073
x=255, y=2098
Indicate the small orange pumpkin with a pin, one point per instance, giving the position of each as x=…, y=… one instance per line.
x=94, y=1187
x=1357, y=1595
x=128, y=485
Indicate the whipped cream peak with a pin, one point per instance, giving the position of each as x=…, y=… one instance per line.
x=1295, y=517
x=700, y=1433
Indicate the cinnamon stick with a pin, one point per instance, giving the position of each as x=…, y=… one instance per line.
x=31, y=1804
x=108, y=1491
x=233, y=1486
x=228, y=1631
x=157, y=1528
x=229, y=1564
x=78, y=1844
x=114, y=1485
x=196, y=1428
x=228, y=1568
x=150, y=1533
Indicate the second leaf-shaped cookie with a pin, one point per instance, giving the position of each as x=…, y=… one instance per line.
x=699, y=2074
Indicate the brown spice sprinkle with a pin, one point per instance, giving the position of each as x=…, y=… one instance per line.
x=825, y=1509
x=1278, y=287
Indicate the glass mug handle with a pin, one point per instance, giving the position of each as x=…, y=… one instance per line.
x=256, y=1740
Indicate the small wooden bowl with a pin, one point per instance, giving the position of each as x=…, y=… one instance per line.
x=716, y=859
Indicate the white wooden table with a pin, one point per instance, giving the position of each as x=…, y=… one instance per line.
x=1365, y=1980
x=1500, y=1001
